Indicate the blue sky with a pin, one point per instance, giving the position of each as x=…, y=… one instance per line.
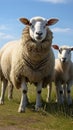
x=12, y=10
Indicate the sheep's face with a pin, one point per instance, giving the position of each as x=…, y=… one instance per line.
x=64, y=54
x=38, y=30
x=38, y=27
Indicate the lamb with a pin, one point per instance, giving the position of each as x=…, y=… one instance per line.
x=31, y=59
x=63, y=73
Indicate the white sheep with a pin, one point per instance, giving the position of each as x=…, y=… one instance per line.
x=63, y=73
x=31, y=58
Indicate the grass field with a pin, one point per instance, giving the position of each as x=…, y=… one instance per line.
x=50, y=117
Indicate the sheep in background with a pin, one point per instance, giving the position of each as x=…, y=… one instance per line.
x=63, y=73
x=31, y=59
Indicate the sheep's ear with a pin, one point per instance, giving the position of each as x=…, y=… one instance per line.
x=55, y=47
x=52, y=21
x=71, y=48
x=25, y=21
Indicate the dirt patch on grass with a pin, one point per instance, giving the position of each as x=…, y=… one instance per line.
x=15, y=128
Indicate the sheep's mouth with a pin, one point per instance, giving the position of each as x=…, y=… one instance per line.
x=38, y=37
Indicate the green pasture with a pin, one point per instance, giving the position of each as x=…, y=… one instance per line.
x=50, y=117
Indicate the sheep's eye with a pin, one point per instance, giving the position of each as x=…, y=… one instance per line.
x=69, y=51
x=32, y=26
x=46, y=24
x=60, y=51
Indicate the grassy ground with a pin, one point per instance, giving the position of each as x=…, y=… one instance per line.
x=50, y=117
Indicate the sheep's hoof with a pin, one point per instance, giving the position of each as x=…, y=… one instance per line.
x=21, y=110
x=37, y=108
x=1, y=102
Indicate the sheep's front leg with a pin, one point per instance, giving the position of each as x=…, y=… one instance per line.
x=23, y=102
x=59, y=90
x=38, y=96
x=69, y=99
x=3, y=89
x=65, y=91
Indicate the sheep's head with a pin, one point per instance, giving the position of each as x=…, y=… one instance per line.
x=64, y=52
x=38, y=27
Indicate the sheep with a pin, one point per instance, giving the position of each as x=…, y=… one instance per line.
x=3, y=80
x=63, y=73
x=31, y=59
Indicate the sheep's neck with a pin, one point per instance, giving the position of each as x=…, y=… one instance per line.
x=65, y=66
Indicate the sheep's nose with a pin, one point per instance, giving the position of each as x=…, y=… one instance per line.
x=39, y=33
x=63, y=59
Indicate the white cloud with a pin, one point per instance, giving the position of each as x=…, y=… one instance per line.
x=4, y=36
x=55, y=1
x=64, y=30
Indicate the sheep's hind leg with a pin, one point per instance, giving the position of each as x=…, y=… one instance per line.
x=65, y=92
x=23, y=102
x=10, y=91
x=69, y=99
x=59, y=90
x=3, y=89
x=38, y=96
x=49, y=89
